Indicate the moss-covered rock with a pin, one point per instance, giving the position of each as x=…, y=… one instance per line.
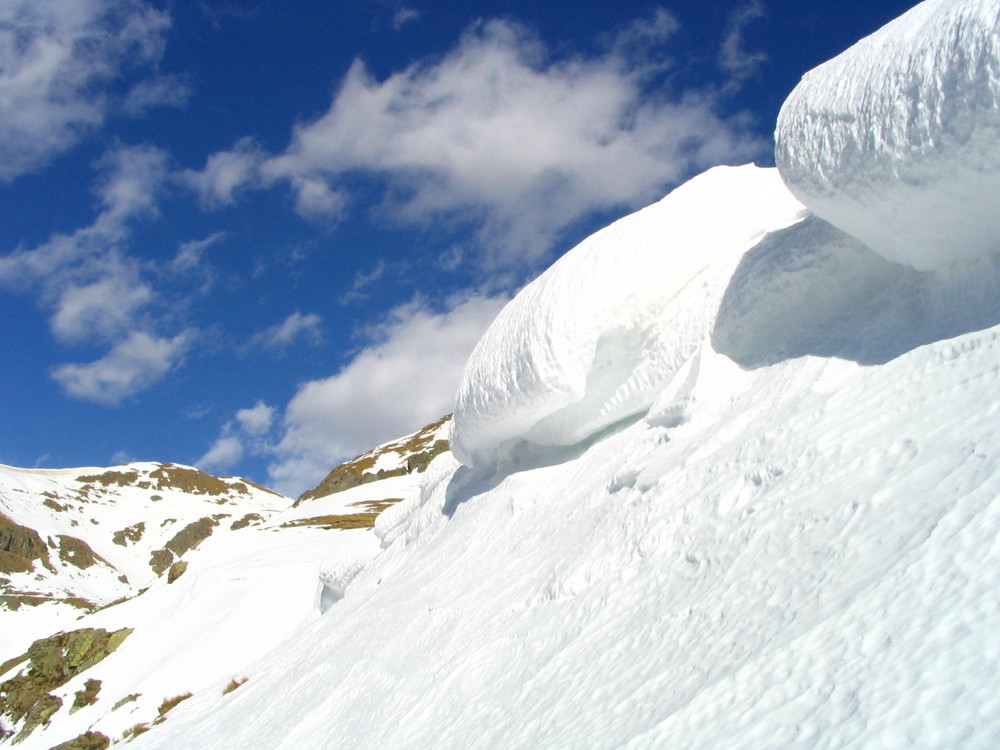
x=176, y=570
x=40, y=712
x=86, y=741
x=52, y=662
x=191, y=536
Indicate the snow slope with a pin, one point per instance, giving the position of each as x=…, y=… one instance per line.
x=897, y=140
x=97, y=530
x=242, y=592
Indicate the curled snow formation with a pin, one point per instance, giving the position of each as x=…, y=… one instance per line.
x=897, y=140
x=593, y=339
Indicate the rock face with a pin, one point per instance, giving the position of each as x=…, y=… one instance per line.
x=407, y=455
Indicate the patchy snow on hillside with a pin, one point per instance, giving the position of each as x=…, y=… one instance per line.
x=897, y=140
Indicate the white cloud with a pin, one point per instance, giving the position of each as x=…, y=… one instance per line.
x=501, y=135
x=315, y=198
x=224, y=453
x=103, y=308
x=93, y=289
x=96, y=292
x=257, y=420
x=406, y=378
x=733, y=58
x=225, y=173
x=248, y=434
x=404, y=15
x=132, y=365
x=165, y=91
x=294, y=327
x=55, y=58
x=189, y=254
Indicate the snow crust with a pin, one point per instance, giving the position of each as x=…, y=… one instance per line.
x=593, y=339
x=897, y=140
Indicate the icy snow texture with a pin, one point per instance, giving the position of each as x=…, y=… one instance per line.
x=897, y=140
x=593, y=339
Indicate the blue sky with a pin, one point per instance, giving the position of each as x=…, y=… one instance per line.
x=261, y=237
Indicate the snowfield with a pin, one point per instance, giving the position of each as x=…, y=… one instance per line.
x=725, y=476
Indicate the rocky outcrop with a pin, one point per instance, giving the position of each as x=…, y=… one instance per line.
x=412, y=453
x=20, y=547
x=52, y=662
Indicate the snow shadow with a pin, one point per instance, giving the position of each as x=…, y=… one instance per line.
x=516, y=456
x=811, y=289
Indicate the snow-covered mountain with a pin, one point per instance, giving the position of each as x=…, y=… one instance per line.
x=724, y=476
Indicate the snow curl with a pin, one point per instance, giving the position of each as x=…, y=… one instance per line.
x=593, y=339
x=897, y=140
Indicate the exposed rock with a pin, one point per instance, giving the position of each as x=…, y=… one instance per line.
x=86, y=696
x=418, y=450
x=77, y=552
x=191, y=536
x=131, y=533
x=176, y=570
x=246, y=521
x=86, y=741
x=52, y=662
x=49, y=502
x=127, y=699
x=160, y=560
x=20, y=547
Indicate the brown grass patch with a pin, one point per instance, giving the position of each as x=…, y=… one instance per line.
x=349, y=521
x=170, y=703
x=233, y=684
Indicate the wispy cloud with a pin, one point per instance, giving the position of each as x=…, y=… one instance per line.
x=163, y=91
x=733, y=57
x=96, y=292
x=93, y=289
x=256, y=420
x=247, y=433
x=57, y=58
x=293, y=328
x=510, y=139
x=132, y=365
x=406, y=377
x=225, y=173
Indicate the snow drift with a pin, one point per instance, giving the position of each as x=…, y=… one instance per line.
x=594, y=338
x=897, y=140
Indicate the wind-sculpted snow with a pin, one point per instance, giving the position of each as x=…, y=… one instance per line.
x=593, y=339
x=897, y=140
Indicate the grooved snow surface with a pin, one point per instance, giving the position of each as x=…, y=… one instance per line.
x=897, y=140
x=808, y=560
x=593, y=339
